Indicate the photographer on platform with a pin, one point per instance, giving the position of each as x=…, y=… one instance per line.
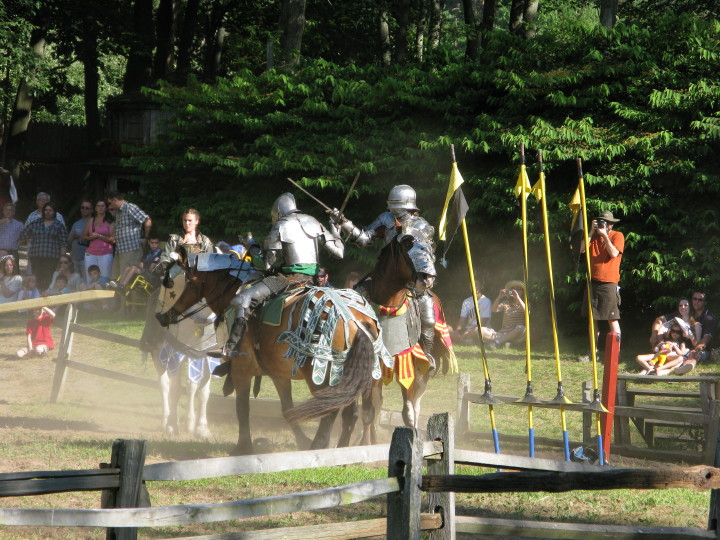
x=606, y=249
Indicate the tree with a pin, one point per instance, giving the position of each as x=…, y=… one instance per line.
x=140, y=47
x=472, y=45
x=608, y=13
x=292, y=26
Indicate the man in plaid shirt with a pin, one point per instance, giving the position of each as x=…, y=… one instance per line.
x=129, y=220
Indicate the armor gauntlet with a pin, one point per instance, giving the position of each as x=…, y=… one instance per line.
x=356, y=235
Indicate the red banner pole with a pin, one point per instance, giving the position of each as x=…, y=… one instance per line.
x=609, y=388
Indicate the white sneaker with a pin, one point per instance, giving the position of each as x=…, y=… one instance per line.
x=687, y=367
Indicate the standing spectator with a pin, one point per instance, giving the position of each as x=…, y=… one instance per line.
x=100, y=233
x=75, y=240
x=39, y=339
x=130, y=220
x=41, y=200
x=10, y=281
x=48, y=236
x=10, y=231
x=66, y=268
x=606, y=250
x=466, y=329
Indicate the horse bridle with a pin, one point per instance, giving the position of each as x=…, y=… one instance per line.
x=201, y=305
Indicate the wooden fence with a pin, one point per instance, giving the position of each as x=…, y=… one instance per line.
x=125, y=504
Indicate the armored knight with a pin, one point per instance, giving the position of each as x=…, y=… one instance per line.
x=403, y=222
x=293, y=249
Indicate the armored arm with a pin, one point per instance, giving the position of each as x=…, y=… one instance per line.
x=333, y=242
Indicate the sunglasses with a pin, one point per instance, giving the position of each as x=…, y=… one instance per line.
x=676, y=331
x=698, y=299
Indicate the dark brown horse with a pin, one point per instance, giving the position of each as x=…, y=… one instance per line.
x=391, y=288
x=218, y=288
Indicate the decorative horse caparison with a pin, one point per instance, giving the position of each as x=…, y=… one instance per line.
x=390, y=287
x=217, y=288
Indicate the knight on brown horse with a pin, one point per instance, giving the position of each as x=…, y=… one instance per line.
x=292, y=247
x=402, y=223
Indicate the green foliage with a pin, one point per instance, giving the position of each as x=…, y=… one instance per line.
x=640, y=106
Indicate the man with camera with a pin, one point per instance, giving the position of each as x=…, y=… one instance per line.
x=510, y=302
x=606, y=249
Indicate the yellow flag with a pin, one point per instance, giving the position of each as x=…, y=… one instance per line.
x=523, y=183
x=537, y=189
x=453, y=192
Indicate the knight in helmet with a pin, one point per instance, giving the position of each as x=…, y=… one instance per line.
x=291, y=255
x=402, y=221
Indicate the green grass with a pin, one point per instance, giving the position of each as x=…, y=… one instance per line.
x=77, y=433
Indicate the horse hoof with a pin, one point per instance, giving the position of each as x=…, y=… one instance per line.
x=172, y=431
x=242, y=450
x=202, y=432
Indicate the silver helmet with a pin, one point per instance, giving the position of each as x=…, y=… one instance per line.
x=401, y=198
x=284, y=205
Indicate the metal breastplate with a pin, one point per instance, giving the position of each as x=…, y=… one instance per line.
x=299, y=235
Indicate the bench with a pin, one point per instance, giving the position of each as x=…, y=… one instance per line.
x=641, y=403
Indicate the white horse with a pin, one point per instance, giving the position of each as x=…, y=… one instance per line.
x=184, y=343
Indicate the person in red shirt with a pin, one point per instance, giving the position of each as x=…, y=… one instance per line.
x=606, y=250
x=39, y=340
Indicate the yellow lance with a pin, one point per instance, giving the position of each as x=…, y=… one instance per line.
x=522, y=190
x=539, y=191
x=596, y=404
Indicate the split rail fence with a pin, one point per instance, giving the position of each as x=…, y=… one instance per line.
x=125, y=500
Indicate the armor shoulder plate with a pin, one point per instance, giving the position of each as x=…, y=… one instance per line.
x=386, y=219
x=297, y=227
x=273, y=239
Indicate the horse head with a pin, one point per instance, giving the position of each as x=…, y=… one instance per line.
x=179, y=290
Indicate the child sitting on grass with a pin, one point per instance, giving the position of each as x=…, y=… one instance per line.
x=669, y=349
x=96, y=282
x=39, y=340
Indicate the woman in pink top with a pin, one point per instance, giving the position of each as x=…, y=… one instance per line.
x=100, y=232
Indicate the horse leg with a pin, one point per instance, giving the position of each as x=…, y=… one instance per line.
x=349, y=419
x=371, y=405
x=284, y=390
x=169, y=395
x=191, y=418
x=164, y=380
x=322, y=437
x=242, y=411
x=202, y=431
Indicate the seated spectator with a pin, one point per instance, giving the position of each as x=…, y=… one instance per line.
x=29, y=290
x=66, y=267
x=60, y=286
x=95, y=280
x=674, y=346
x=145, y=267
x=510, y=303
x=47, y=237
x=323, y=278
x=466, y=328
x=10, y=281
x=701, y=351
x=39, y=338
x=10, y=231
x=662, y=323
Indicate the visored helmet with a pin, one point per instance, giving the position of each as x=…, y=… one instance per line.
x=283, y=206
x=401, y=198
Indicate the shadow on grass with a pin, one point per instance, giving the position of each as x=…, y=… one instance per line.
x=48, y=424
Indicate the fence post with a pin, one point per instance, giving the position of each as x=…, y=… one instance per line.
x=463, y=406
x=441, y=427
x=63, y=354
x=405, y=463
x=129, y=456
x=714, y=431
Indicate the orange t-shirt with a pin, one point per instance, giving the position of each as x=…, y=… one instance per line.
x=603, y=267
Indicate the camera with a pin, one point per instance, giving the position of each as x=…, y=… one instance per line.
x=601, y=223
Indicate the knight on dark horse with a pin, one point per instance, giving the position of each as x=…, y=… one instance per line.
x=291, y=255
x=402, y=222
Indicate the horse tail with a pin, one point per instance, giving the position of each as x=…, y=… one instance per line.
x=356, y=381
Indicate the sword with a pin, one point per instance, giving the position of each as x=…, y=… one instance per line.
x=313, y=197
x=347, y=197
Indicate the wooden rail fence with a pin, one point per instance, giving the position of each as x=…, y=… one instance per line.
x=125, y=504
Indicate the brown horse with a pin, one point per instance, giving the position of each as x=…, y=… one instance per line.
x=390, y=288
x=218, y=287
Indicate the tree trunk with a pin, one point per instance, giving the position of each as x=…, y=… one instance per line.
x=384, y=35
x=402, y=15
x=608, y=13
x=292, y=26
x=420, y=30
x=437, y=7
x=517, y=9
x=88, y=50
x=488, y=20
x=530, y=18
x=472, y=40
x=165, y=49
x=187, y=34
x=215, y=40
x=139, y=66
x=22, y=111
